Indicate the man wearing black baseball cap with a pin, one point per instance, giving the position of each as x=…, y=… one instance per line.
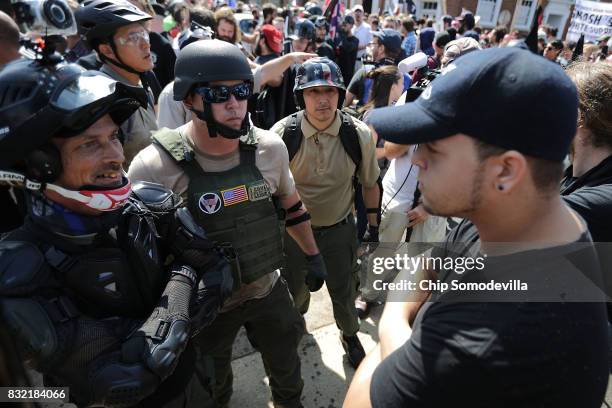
x=386, y=49
x=493, y=130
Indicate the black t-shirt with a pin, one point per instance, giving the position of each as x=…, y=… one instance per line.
x=488, y=354
x=347, y=55
x=326, y=50
x=165, y=58
x=262, y=59
x=591, y=196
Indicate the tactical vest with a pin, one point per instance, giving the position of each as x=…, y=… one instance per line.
x=234, y=207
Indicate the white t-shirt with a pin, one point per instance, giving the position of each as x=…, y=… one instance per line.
x=364, y=35
x=399, y=184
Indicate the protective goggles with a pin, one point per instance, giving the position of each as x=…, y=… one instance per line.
x=221, y=93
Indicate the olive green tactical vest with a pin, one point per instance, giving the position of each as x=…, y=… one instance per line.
x=233, y=206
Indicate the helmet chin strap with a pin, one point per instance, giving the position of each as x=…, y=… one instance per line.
x=215, y=128
x=120, y=64
x=101, y=200
x=108, y=199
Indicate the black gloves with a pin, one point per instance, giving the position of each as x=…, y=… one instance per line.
x=214, y=289
x=371, y=235
x=317, y=272
x=161, y=339
x=189, y=244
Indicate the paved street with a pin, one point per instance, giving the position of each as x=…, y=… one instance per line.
x=325, y=370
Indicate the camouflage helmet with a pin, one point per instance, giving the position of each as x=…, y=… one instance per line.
x=318, y=72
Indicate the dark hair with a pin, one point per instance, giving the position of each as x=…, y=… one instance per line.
x=546, y=174
x=203, y=17
x=500, y=33
x=268, y=9
x=408, y=24
x=178, y=13
x=383, y=79
x=557, y=44
x=429, y=23
x=594, y=84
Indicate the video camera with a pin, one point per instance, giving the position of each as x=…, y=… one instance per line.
x=46, y=17
x=416, y=65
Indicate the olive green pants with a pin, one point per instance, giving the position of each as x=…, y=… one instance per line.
x=274, y=328
x=338, y=245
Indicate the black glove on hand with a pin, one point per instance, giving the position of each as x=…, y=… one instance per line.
x=371, y=235
x=189, y=243
x=317, y=272
x=214, y=289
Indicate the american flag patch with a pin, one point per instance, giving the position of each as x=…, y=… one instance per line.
x=234, y=195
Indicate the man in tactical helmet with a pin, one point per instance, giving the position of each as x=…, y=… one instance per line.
x=324, y=46
x=95, y=299
x=231, y=173
x=327, y=149
x=116, y=31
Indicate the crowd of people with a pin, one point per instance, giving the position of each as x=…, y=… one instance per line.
x=174, y=172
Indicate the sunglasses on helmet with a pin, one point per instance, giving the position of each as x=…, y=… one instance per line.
x=221, y=93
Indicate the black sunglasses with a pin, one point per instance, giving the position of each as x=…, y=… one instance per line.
x=221, y=93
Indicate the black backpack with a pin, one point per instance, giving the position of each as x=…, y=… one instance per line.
x=348, y=136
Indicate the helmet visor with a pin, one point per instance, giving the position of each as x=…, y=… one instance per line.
x=83, y=90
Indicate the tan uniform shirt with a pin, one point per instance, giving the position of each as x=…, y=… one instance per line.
x=323, y=170
x=155, y=165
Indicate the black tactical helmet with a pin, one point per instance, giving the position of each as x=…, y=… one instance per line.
x=202, y=62
x=321, y=22
x=304, y=29
x=205, y=61
x=314, y=10
x=318, y=72
x=38, y=102
x=98, y=20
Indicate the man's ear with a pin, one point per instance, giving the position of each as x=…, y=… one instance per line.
x=188, y=101
x=106, y=50
x=509, y=170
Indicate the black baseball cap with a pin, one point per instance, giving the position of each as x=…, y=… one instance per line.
x=391, y=39
x=506, y=97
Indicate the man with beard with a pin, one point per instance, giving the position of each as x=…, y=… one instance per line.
x=227, y=28
x=116, y=32
x=87, y=289
x=541, y=346
x=346, y=45
x=323, y=47
x=269, y=44
x=229, y=173
x=327, y=150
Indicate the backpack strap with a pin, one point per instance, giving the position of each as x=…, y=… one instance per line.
x=292, y=136
x=350, y=139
